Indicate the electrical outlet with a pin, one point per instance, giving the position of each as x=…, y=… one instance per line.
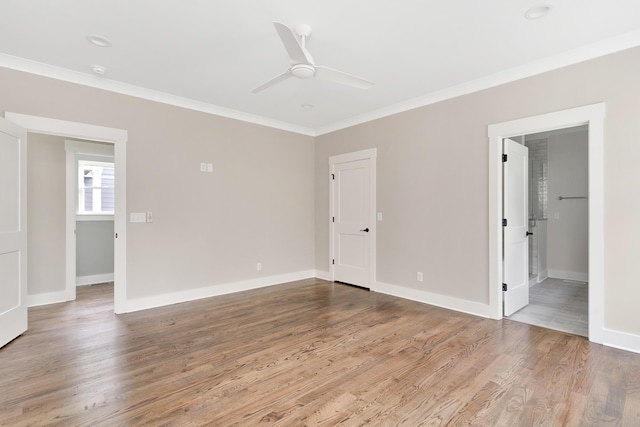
x=259, y=266
x=419, y=276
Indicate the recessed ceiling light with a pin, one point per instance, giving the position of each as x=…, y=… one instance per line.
x=537, y=12
x=99, y=40
x=306, y=106
x=98, y=69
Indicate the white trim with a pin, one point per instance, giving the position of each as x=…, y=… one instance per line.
x=324, y=275
x=621, y=340
x=578, y=276
x=48, y=298
x=145, y=303
x=84, y=79
x=118, y=137
x=94, y=279
x=593, y=115
x=584, y=53
x=444, y=301
x=581, y=54
x=368, y=154
x=91, y=217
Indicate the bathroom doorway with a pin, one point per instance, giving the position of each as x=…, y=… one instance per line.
x=559, y=223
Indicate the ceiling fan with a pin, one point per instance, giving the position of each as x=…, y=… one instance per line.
x=302, y=65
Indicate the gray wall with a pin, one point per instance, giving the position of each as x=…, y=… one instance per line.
x=46, y=214
x=432, y=183
x=568, y=227
x=208, y=228
x=94, y=248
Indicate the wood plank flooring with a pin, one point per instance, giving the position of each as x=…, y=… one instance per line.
x=307, y=353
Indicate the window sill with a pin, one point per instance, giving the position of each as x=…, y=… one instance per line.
x=91, y=217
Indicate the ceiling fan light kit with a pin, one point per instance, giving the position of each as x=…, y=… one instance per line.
x=302, y=64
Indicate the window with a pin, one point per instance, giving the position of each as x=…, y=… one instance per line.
x=96, y=192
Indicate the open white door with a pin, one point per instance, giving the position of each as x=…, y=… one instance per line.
x=352, y=225
x=13, y=233
x=516, y=214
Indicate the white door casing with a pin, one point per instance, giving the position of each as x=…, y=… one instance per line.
x=593, y=116
x=515, y=212
x=118, y=137
x=13, y=231
x=353, y=218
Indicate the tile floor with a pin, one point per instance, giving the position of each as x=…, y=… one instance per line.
x=557, y=304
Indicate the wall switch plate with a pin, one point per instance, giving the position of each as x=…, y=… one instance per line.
x=209, y=167
x=259, y=266
x=137, y=217
x=203, y=167
x=379, y=216
x=149, y=216
x=419, y=276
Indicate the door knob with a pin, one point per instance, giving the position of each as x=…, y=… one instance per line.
x=366, y=230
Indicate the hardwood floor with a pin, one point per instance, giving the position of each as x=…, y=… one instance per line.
x=305, y=353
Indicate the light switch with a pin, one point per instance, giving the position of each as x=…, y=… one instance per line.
x=379, y=216
x=203, y=167
x=209, y=167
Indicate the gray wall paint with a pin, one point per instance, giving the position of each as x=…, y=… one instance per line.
x=208, y=228
x=46, y=214
x=433, y=181
x=568, y=226
x=94, y=248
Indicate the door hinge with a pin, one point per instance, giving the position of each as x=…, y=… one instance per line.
x=504, y=157
x=504, y=222
x=333, y=176
x=333, y=261
x=116, y=235
x=333, y=219
x=504, y=287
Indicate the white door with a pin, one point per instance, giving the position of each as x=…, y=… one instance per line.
x=13, y=233
x=352, y=225
x=515, y=232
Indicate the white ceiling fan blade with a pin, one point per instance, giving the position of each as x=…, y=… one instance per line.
x=329, y=74
x=277, y=79
x=291, y=43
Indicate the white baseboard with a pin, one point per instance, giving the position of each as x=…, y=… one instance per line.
x=621, y=340
x=451, y=303
x=47, y=298
x=578, y=276
x=93, y=279
x=324, y=275
x=543, y=275
x=144, y=303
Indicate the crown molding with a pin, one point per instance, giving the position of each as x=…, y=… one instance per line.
x=594, y=50
x=584, y=53
x=98, y=82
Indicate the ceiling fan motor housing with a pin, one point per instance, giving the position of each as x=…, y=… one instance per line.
x=303, y=71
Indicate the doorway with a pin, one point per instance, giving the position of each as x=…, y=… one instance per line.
x=593, y=117
x=117, y=137
x=558, y=262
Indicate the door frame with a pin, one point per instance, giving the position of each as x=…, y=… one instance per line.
x=119, y=138
x=592, y=115
x=371, y=155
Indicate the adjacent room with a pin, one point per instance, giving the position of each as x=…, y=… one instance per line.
x=319, y=213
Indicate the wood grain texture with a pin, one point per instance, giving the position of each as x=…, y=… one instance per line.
x=307, y=353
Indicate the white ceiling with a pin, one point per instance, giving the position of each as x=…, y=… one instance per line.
x=209, y=55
